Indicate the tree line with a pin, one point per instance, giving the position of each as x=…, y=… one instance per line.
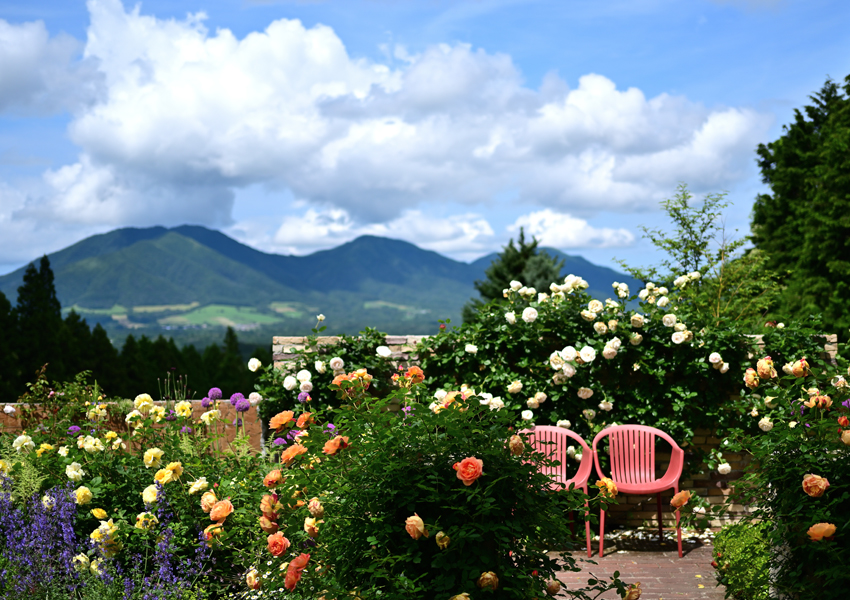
x=33, y=333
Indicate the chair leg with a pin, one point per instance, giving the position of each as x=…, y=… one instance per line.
x=660, y=526
x=601, y=531
x=679, y=533
x=587, y=530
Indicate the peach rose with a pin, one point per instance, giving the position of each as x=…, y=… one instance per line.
x=268, y=525
x=442, y=540
x=311, y=527
x=335, y=445
x=293, y=572
x=220, y=510
x=304, y=420
x=607, y=487
x=845, y=437
x=800, y=368
x=212, y=532
x=316, y=509
x=488, y=581
x=252, y=579
x=277, y=544
x=751, y=378
x=679, y=500
x=281, y=419
x=843, y=421
x=632, y=592
x=415, y=526
x=273, y=478
x=290, y=453
x=270, y=506
x=820, y=531
x=765, y=368
x=553, y=587
x=516, y=445
x=815, y=485
x=469, y=469
x=208, y=500
x=818, y=402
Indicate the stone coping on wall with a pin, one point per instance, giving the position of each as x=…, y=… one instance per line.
x=284, y=348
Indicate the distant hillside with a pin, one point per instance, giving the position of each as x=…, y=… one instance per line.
x=190, y=278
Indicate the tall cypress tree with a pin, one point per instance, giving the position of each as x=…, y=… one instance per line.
x=39, y=322
x=9, y=365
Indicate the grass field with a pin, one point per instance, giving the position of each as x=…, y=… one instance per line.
x=220, y=314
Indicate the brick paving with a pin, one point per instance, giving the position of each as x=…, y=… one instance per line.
x=657, y=566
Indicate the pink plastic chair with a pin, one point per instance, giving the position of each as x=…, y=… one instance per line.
x=632, y=454
x=553, y=442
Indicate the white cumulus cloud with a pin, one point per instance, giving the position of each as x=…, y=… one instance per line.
x=561, y=231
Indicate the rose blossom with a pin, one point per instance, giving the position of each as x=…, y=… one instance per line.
x=527, y=415
x=587, y=354
x=469, y=469
x=584, y=393
x=293, y=572
x=516, y=445
x=289, y=383
x=529, y=315
x=563, y=423
x=488, y=581
x=415, y=526
x=669, y=320
x=765, y=424
x=471, y=348
x=724, y=468
x=510, y=317
x=515, y=387
x=220, y=510
x=815, y=485
x=208, y=500
x=336, y=363
x=819, y=531
x=680, y=499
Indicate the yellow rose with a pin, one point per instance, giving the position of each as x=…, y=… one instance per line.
x=143, y=403
x=149, y=494
x=176, y=468
x=157, y=413
x=110, y=435
x=81, y=562
x=83, y=495
x=488, y=581
x=164, y=476
x=98, y=513
x=153, y=457
x=607, y=487
x=442, y=540
x=145, y=521
x=183, y=409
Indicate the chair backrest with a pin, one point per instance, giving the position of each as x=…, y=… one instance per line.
x=553, y=442
x=631, y=452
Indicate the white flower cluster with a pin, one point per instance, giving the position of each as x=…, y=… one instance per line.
x=651, y=293
x=535, y=401
x=717, y=362
x=494, y=402
x=622, y=289
x=611, y=348
x=683, y=280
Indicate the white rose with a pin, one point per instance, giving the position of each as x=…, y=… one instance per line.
x=559, y=378
x=320, y=367
x=587, y=354
x=306, y=386
x=290, y=383
x=765, y=424
x=556, y=361
x=254, y=364
x=540, y=397
x=440, y=394
x=724, y=367
x=516, y=285
x=532, y=403
x=584, y=393
x=715, y=358
x=569, y=353
x=568, y=370
x=336, y=363
x=643, y=294
x=611, y=305
x=9, y=409
x=566, y=425
x=609, y=352
x=23, y=443
x=75, y=472
x=662, y=291
x=615, y=343
x=606, y=406
x=63, y=451
x=680, y=327
x=254, y=398
x=529, y=315
x=198, y=485
x=678, y=337
x=595, y=306
x=637, y=321
x=588, y=315
x=770, y=401
x=497, y=403
x=694, y=275
x=471, y=348
x=724, y=468
x=780, y=325
x=515, y=387
x=600, y=328
x=303, y=375
x=485, y=398
x=571, y=450
x=662, y=302
x=669, y=320
x=527, y=415
x=589, y=414
x=383, y=352
x=320, y=318
x=510, y=317
x=542, y=297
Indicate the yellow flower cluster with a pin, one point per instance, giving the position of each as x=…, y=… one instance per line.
x=106, y=538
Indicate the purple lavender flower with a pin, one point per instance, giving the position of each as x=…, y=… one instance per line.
x=171, y=416
x=73, y=430
x=304, y=397
x=279, y=442
x=330, y=429
x=235, y=398
x=214, y=394
x=242, y=404
x=206, y=402
x=186, y=429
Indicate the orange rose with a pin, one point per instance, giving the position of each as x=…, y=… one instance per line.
x=304, y=420
x=751, y=378
x=281, y=419
x=252, y=579
x=844, y=421
x=820, y=531
x=516, y=445
x=220, y=510
x=270, y=506
x=268, y=525
x=469, y=469
x=415, y=374
x=415, y=526
x=818, y=402
x=765, y=368
x=679, y=500
x=339, y=379
x=290, y=453
x=488, y=581
x=333, y=446
x=273, y=478
x=212, y=532
x=815, y=485
x=607, y=487
x=208, y=500
x=277, y=544
x=632, y=592
x=800, y=368
x=311, y=527
x=293, y=572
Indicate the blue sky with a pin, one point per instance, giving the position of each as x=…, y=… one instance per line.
x=296, y=126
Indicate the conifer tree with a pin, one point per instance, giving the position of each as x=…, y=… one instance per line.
x=39, y=322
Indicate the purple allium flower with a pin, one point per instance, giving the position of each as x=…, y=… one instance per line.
x=206, y=402
x=214, y=394
x=330, y=429
x=242, y=405
x=73, y=430
x=279, y=442
x=304, y=397
x=235, y=398
x=171, y=416
x=186, y=429
x=238, y=422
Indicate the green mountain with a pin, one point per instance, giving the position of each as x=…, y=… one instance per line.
x=190, y=282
